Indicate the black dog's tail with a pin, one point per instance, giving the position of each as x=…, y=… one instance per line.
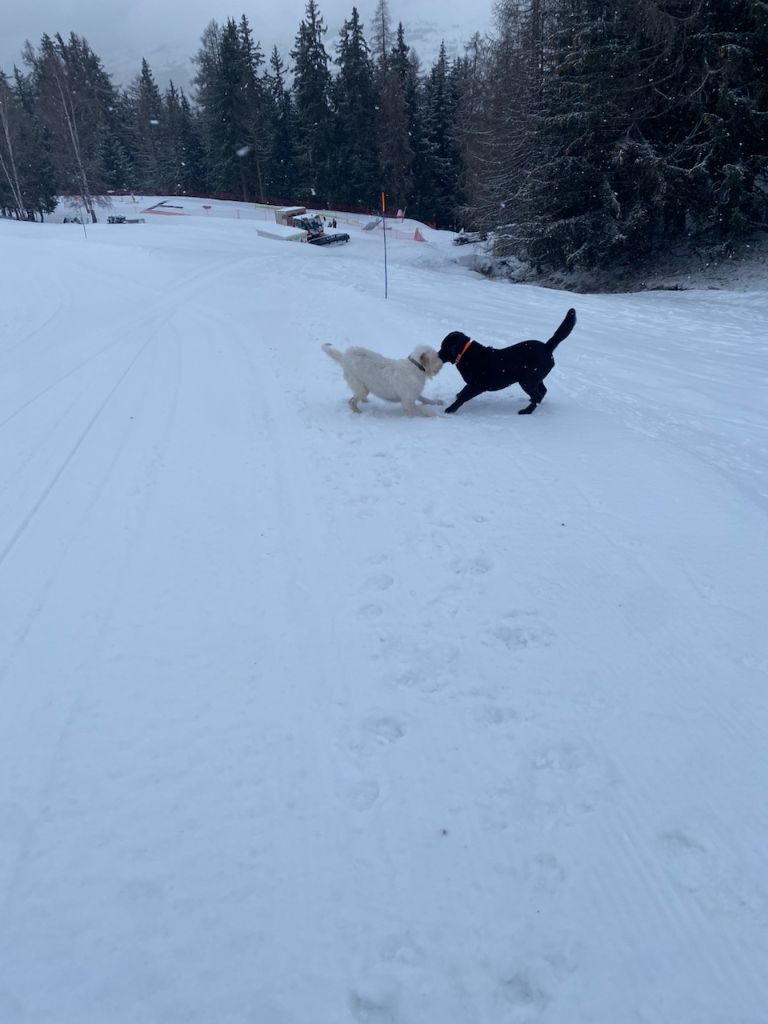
x=562, y=331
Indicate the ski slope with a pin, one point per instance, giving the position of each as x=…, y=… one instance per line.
x=314, y=718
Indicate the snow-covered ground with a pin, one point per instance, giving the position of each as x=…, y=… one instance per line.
x=310, y=717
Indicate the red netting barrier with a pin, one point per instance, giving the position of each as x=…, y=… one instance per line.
x=310, y=203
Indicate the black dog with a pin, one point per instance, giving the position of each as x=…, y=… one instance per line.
x=491, y=369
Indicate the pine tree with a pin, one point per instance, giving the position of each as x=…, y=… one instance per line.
x=223, y=105
x=148, y=129
x=311, y=92
x=282, y=173
x=33, y=153
x=357, y=177
x=381, y=38
x=576, y=215
x=257, y=116
x=440, y=185
x=194, y=169
x=118, y=168
x=404, y=145
x=12, y=192
x=393, y=122
x=183, y=170
x=711, y=129
x=73, y=98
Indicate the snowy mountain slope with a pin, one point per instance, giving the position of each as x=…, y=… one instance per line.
x=319, y=717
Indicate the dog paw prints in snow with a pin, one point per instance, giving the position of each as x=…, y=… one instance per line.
x=379, y=581
x=373, y=733
x=477, y=565
x=553, y=771
x=531, y=985
x=376, y=583
x=372, y=610
x=504, y=806
x=401, y=950
x=696, y=869
x=498, y=716
x=376, y=1002
x=387, y=474
x=521, y=630
x=427, y=683
x=415, y=665
x=523, y=993
x=528, y=988
x=359, y=794
x=552, y=788
x=544, y=873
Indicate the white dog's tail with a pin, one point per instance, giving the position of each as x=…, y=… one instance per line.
x=333, y=352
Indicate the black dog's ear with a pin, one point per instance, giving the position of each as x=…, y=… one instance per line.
x=455, y=338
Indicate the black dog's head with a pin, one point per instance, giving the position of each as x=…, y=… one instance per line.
x=452, y=346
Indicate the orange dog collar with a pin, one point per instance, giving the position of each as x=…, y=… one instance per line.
x=458, y=357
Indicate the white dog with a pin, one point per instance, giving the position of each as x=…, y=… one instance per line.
x=394, y=380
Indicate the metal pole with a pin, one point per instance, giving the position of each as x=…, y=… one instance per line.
x=384, y=232
x=81, y=211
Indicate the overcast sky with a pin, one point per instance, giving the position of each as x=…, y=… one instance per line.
x=123, y=31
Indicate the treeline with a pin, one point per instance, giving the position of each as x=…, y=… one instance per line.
x=584, y=134
x=347, y=125
x=606, y=131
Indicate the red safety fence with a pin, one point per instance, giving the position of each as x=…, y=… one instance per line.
x=310, y=203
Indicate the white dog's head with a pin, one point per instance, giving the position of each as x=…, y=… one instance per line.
x=428, y=359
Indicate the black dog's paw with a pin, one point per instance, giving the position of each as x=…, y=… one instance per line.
x=526, y=411
x=451, y=408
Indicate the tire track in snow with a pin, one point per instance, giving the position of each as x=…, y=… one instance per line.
x=28, y=518
x=144, y=321
x=166, y=317
x=39, y=604
x=11, y=350
x=71, y=699
x=35, y=611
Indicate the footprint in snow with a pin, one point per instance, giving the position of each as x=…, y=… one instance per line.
x=401, y=949
x=375, y=1002
x=478, y=565
x=520, y=631
x=545, y=872
x=527, y=989
x=697, y=870
x=370, y=611
x=494, y=715
x=567, y=779
x=379, y=581
x=360, y=795
x=522, y=992
x=373, y=733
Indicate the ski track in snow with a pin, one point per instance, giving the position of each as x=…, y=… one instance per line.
x=320, y=717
